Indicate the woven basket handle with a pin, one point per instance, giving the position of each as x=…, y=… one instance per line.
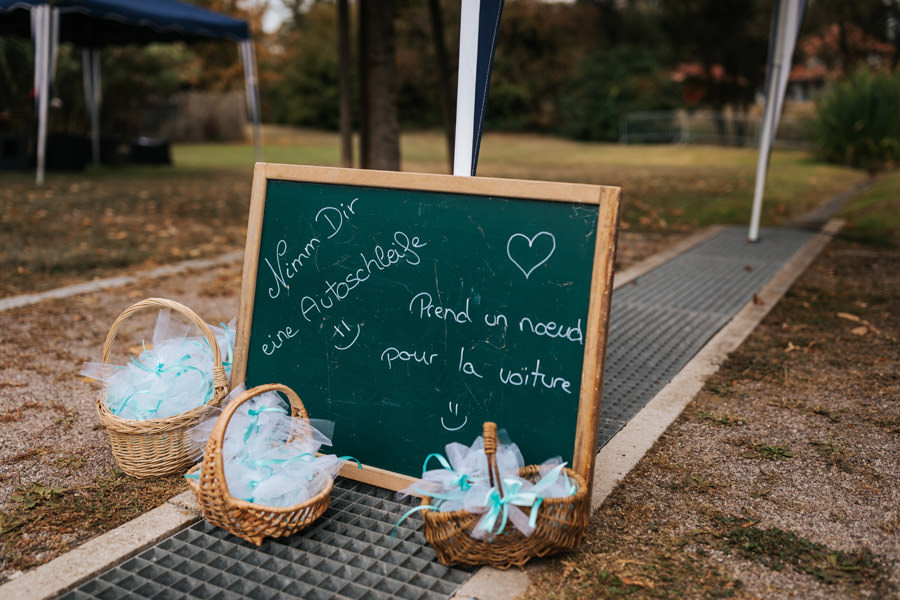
x=220, y=381
x=489, y=431
x=217, y=437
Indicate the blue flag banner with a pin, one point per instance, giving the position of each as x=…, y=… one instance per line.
x=488, y=29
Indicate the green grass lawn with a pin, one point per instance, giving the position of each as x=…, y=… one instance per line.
x=93, y=223
x=666, y=187
x=874, y=214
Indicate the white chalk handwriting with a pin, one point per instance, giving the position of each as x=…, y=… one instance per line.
x=427, y=309
x=335, y=216
x=275, y=341
x=401, y=250
x=392, y=354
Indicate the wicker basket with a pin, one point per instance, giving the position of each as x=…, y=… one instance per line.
x=247, y=520
x=157, y=447
x=560, y=523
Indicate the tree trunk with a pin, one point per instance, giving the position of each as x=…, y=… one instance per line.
x=363, y=52
x=345, y=108
x=383, y=143
x=445, y=90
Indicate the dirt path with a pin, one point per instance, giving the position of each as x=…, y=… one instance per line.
x=58, y=481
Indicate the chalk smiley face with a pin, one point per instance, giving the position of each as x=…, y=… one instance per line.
x=341, y=331
x=454, y=410
x=529, y=253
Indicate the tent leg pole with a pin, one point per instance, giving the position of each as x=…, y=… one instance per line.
x=41, y=17
x=248, y=58
x=90, y=67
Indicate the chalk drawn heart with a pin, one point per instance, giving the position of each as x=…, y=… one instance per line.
x=530, y=255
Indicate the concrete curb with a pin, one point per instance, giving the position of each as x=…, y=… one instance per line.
x=613, y=462
x=622, y=453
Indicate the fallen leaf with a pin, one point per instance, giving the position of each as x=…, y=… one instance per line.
x=5, y=384
x=629, y=581
x=748, y=268
x=861, y=330
x=749, y=524
x=757, y=300
x=791, y=347
x=568, y=567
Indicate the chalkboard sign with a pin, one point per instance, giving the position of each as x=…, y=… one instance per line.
x=411, y=308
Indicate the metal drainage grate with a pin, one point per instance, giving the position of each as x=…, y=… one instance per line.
x=348, y=553
x=661, y=321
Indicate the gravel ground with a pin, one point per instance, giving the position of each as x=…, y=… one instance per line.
x=47, y=411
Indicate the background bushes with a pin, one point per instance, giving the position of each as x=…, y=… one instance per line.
x=858, y=122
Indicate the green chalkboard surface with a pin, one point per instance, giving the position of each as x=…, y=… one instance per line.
x=409, y=313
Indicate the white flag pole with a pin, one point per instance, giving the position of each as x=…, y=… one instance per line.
x=465, y=88
x=787, y=15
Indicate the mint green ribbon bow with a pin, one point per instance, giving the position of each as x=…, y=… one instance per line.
x=545, y=482
x=463, y=480
x=498, y=506
x=254, y=419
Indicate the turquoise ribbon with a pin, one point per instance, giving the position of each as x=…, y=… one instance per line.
x=546, y=481
x=160, y=370
x=344, y=458
x=254, y=422
x=409, y=513
x=269, y=465
x=229, y=347
x=463, y=480
x=498, y=506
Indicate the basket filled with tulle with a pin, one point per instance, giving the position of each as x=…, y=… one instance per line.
x=262, y=474
x=483, y=507
x=149, y=403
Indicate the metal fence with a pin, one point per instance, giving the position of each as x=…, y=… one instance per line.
x=706, y=127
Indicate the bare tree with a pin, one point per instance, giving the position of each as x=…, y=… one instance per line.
x=379, y=118
x=446, y=91
x=345, y=108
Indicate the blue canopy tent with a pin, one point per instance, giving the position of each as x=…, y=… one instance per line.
x=93, y=24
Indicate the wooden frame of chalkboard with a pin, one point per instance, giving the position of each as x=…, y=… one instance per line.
x=408, y=308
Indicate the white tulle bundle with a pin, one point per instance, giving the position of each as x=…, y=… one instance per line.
x=462, y=482
x=463, y=467
x=171, y=377
x=268, y=456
